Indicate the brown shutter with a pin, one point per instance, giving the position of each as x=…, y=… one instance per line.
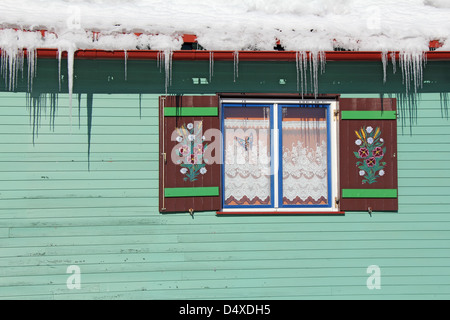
x=368, y=155
x=189, y=171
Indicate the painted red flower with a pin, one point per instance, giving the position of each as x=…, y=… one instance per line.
x=191, y=159
x=363, y=152
x=184, y=150
x=377, y=152
x=199, y=149
x=371, y=162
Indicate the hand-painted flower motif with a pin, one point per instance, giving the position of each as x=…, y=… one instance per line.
x=183, y=150
x=378, y=152
x=363, y=152
x=371, y=162
x=371, y=152
x=191, y=159
x=199, y=149
x=191, y=149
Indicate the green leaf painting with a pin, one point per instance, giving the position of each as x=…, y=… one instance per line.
x=191, y=148
x=370, y=153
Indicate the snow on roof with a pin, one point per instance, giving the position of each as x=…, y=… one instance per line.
x=300, y=25
x=316, y=26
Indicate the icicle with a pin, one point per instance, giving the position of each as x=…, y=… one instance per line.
x=140, y=105
x=70, y=67
x=444, y=97
x=384, y=61
x=159, y=59
x=211, y=65
x=168, y=68
x=31, y=58
x=301, y=63
x=21, y=61
x=394, y=62
x=126, y=64
x=412, y=65
x=59, y=68
x=12, y=69
x=236, y=65
x=316, y=59
x=301, y=66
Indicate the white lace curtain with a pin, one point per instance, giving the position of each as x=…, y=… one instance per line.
x=247, y=162
x=304, y=178
x=304, y=156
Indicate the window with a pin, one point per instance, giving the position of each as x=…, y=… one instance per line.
x=251, y=154
x=278, y=155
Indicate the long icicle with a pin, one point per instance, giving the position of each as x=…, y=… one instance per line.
x=70, y=67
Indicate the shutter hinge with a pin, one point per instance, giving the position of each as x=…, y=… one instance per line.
x=336, y=202
x=164, y=157
x=336, y=115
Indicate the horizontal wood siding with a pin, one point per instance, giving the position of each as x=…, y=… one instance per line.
x=55, y=213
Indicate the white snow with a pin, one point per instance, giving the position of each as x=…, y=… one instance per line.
x=315, y=26
x=319, y=25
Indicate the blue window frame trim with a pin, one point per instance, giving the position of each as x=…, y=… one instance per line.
x=280, y=144
x=280, y=153
x=272, y=191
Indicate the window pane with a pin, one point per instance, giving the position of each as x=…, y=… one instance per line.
x=247, y=156
x=304, y=156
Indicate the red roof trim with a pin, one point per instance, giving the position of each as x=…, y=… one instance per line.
x=195, y=55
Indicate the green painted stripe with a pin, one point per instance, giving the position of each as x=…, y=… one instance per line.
x=368, y=115
x=190, y=112
x=369, y=193
x=191, y=192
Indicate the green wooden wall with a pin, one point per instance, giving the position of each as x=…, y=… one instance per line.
x=57, y=211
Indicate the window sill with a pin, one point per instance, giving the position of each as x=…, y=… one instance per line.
x=279, y=213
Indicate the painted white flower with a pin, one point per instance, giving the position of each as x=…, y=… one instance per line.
x=358, y=142
x=370, y=140
x=191, y=137
x=179, y=139
x=190, y=126
x=362, y=172
x=203, y=170
x=381, y=140
x=381, y=173
x=184, y=170
x=369, y=129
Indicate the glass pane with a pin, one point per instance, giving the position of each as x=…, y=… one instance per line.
x=247, y=156
x=304, y=156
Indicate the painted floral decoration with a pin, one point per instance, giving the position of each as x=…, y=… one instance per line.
x=191, y=149
x=371, y=152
